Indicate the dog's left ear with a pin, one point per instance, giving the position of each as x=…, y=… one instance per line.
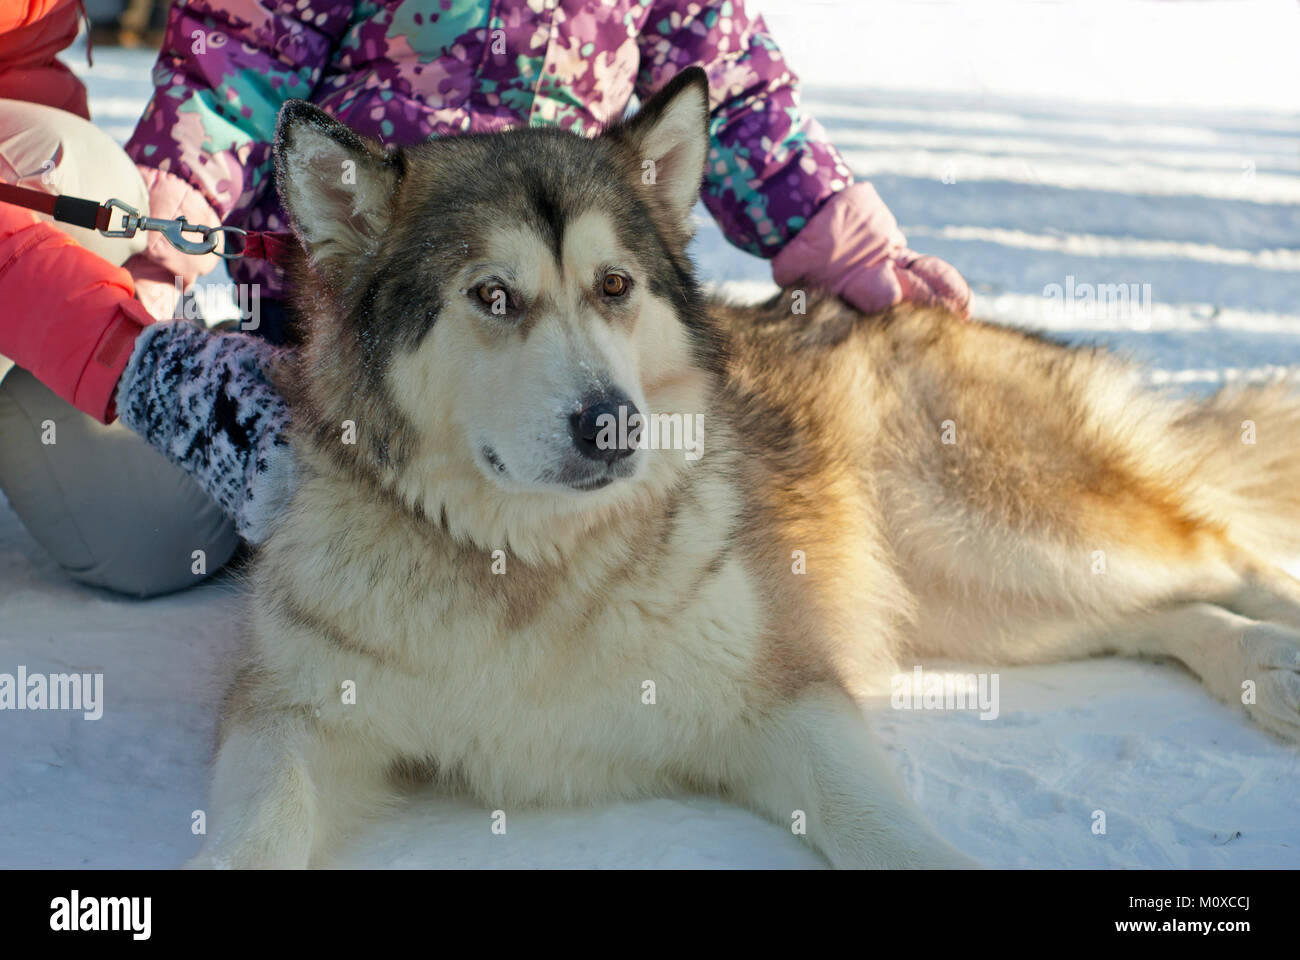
x=338, y=188
x=669, y=139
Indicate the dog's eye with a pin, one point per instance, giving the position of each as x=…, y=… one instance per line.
x=614, y=285
x=493, y=296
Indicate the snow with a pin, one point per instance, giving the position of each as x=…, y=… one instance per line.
x=1139, y=143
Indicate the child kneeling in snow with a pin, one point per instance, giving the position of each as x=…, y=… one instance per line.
x=414, y=70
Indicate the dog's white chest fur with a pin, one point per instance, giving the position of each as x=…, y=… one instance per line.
x=540, y=687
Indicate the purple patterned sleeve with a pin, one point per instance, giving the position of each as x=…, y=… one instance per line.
x=770, y=165
x=222, y=73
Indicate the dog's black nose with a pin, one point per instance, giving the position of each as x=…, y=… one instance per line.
x=606, y=429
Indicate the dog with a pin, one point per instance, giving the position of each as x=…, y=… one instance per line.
x=478, y=580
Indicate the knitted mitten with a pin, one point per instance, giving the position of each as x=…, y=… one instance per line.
x=205, y=400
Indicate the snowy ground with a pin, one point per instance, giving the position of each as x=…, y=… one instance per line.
x=993, y=132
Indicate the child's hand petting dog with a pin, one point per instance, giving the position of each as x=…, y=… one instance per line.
x=853, y=248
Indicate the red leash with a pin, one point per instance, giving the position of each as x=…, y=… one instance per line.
x=272, y=245
x=73, y=210
x=257, y=245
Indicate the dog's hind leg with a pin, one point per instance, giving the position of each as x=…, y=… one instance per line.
x=284, y=792
x=1235, y=624
x=1243, y=662
x=814, y=762
x=1265, y=592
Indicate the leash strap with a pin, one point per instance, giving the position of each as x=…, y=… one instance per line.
x=73, y=210
x=257, y=245
x=274, y=246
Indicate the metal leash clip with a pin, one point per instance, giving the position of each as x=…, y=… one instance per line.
x=174, y=231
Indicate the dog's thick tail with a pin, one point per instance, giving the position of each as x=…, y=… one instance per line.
x=1245, y=442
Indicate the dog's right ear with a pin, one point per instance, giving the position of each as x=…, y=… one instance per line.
x=337, y=187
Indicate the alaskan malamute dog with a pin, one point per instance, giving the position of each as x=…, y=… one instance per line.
x=478, y=577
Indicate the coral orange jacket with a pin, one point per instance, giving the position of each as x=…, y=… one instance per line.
x=31, y=33
x=69, y=316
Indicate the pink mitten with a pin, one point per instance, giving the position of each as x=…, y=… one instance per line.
x=853, y=247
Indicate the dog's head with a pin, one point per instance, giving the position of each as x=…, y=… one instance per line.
x=505, y=319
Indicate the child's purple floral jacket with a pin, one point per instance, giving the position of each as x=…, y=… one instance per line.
x=402, y=71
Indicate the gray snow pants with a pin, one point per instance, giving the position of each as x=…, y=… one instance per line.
x=111, y=510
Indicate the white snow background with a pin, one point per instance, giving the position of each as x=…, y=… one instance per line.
x=1141, y=142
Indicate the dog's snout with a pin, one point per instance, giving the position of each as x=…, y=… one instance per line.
x=605, y=428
